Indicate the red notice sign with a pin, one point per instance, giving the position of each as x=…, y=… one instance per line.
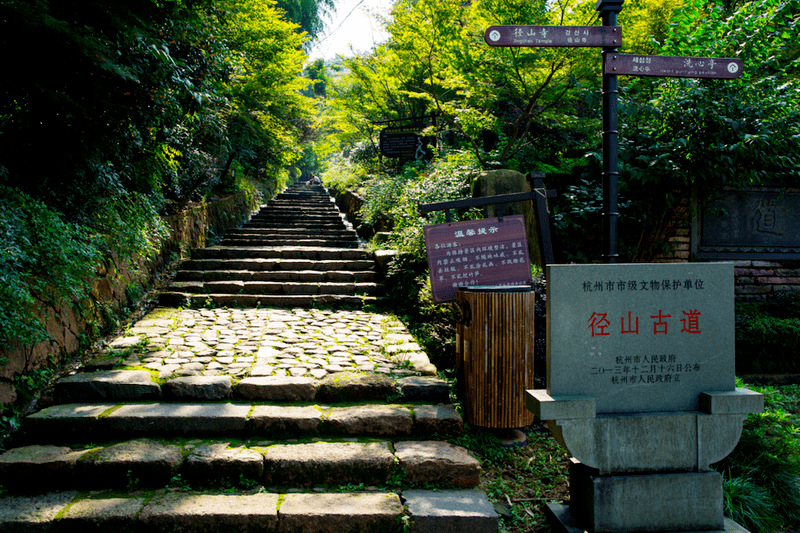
x=477, y=253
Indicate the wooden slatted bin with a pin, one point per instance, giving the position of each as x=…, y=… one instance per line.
x=495, y=355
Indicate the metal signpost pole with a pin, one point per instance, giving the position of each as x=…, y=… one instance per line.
x=608, y=10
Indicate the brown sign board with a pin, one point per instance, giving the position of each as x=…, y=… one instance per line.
x=404, y=145
x=674, y=67
x=473, y=253
x=551, y=36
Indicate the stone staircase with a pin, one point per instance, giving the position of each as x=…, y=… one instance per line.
x=247, y=420
x=296, y=251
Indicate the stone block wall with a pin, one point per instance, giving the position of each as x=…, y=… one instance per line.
x=756, y=280
x=72, y=326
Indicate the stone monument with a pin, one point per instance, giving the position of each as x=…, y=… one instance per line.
x=641, y=391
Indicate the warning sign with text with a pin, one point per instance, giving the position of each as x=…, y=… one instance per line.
x=486, y=252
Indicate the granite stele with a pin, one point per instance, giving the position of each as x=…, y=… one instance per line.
x=641, y=391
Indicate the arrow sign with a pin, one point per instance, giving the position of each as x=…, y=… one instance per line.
x=552, y=36
x=674, y=67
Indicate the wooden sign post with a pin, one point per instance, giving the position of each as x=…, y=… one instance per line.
x=609, y=37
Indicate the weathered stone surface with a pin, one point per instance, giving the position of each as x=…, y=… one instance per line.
x=685, y=502
x=450, y=511
x=438, y=462
x=149, y=462
x=25, y=468
x=425, y=389
x=178, y=418
x=62, y=423
x=284, y=420
x=277, y=389
x=352, y=512
x=216, y=461
x=354, y=387
x=438, y=419
x=210, y=513
x=327, y=463
x=102, y=514
x=114, y=385
x=23, y=514
x=371, y=420
x=198, y=388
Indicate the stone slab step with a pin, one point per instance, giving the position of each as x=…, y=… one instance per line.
x=346, y=512
x=279, y=264
x=290, y=218
x=209, y=463
x=95, y=422
x=307, y=226
x=308, y=276
x=257, y=230
x=275, y=287
x=280, y=252
x=136, y=385
x=290, y=241
x=170, y=298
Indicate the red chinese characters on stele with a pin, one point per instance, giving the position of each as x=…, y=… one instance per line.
x=600, y=325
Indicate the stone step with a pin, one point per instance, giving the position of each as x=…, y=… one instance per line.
x=290, y=218
x=96, y=422
x=166, y=511
x=208, y=462
x=275, y=288
x=322, y=241
x=280, y=265
x=300, y=204
x=178, y=299
x=137, y=385
x=280, y=252
x=308, y=276
x=293, y=232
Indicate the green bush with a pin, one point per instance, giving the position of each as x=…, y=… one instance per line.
x=43, y=258
x=760, y=489
x=767, y=345
x=784, y=305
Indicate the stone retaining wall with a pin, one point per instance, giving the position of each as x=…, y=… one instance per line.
x=756, y=280
x=118, y=286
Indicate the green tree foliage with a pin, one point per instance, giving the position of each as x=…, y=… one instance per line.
x=114, y=113
x=308, y=15
x=688, y=138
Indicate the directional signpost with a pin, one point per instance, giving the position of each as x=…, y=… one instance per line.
x=555, y=36
x=673, y=67
x=609, y=37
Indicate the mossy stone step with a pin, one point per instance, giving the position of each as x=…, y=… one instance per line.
x=178, y=299
x=94, y=422
x=308, y=276
x=278, y=264
x=275, y=287
x=137, y=385
x=166, y=511
x=210, y=464
x=280, y=252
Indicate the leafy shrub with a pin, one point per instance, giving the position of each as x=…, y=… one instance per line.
x=766, y=344
x=761, y=490
x=784, y=305
x=42, y=258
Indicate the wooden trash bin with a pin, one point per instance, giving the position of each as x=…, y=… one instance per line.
x=494, y=359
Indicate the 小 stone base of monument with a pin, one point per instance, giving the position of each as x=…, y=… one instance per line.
x=563, y=519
